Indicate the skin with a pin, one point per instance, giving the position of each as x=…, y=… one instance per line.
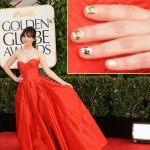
x=20, y=55
x=128, y=30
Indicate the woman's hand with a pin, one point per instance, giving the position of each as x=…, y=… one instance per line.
x=19, y=79
x=68, y=84
x=128, y=31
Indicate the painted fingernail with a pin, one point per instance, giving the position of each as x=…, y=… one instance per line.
x=111, y=63
x=91, y=9
x=86, y=50
x=78, y=34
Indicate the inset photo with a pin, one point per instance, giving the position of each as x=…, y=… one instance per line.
x=108, y=37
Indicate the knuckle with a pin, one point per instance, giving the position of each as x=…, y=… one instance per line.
x=144, y=59
x=119, y=28
x=127, y=43
x=130, y=11
x=146, y=24
x=104, y=49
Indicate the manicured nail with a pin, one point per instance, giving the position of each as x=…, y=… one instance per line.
x=111, y=63
x=91, y=9
x=86, y=50
x=78, y=34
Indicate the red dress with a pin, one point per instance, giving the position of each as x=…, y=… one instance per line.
x=50, y=116
x=76, y=19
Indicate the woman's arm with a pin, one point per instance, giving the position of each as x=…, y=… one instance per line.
x=49, y=72
x=7, y=65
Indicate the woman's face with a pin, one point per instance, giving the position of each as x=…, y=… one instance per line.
x=27, y=41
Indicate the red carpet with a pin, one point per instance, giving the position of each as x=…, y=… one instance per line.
x=124, y=144
x=8, y=141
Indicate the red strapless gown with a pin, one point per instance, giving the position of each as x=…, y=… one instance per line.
x=50, y=116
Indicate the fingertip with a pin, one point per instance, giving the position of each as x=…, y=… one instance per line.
x=85, y=11
x=89, y=10
x=85, y=52
x=111, y=64
x=77, y=35
x=72, y=37
x=81, y=54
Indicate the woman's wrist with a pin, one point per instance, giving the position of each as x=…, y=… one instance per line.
x=62, y=82
x=15, y=78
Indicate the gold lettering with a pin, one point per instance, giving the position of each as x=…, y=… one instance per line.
x=24, y=14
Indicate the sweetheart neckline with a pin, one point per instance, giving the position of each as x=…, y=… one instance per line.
x=27, y=61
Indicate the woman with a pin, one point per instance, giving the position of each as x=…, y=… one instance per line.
x=49, y=114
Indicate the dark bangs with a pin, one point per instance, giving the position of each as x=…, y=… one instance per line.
x=30, y=32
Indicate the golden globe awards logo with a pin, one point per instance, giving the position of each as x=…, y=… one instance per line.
x=14, y=21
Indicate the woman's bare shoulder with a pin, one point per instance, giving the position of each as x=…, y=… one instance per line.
x=17, y=52
x=40, y=53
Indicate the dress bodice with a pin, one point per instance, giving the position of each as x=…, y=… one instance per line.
x=29, y=70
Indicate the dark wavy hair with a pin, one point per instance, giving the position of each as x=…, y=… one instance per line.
x=30, y=32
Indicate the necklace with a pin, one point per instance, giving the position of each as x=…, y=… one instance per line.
x=27, y=51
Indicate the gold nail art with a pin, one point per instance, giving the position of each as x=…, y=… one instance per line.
x=91, y=9
x=86, y=50
x=78, y=34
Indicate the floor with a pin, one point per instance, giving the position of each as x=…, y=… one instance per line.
x=8, y=141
